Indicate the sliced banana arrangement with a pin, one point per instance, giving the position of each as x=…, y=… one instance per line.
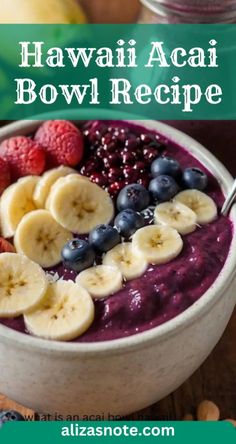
x=23, y=285
x=131, y=264
x=79, y=205
x=43, y=214
x=41, y=238
x=101, y=281
x=199, y=202
x=66, y=312
x=176, y=215
x=15, y=202
x=157, y=244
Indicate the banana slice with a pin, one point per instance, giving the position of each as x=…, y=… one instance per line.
x=203, y=205
x=23, y=285
x=79, y=205
x=176, y=215
x=15, y=202
x=129, y=263
x=41, y=238
x=45, y=183
x=100, y=281
x=66, y=312
x=157, y=244
x=59, y=181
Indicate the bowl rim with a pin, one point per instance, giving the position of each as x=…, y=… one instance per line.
x=171, y=327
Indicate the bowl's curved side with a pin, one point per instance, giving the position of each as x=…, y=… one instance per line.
x=112, y=384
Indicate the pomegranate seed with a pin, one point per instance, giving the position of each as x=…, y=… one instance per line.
x=94, y=136
x=90, y=167
x=127, y=171
x=112, y=129
x=99, y=179
x=147, y=138
x=131, y=179
x=114, y=174
x=144, y=180
x=111, y=160
x=131, y=143
x=101, y=153
x=150, y=153
x=140, y=166
x=121, y=138
x=115, y=188
x=110, y=147
x=122, y=130
x=95, y=131
x=128, y=157
x=107, y=139
x=130, y=174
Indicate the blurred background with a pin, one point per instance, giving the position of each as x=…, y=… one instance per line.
x=112, y=11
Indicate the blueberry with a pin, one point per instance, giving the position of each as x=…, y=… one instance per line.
x=127, y=222
x=78, y=255
x=195, y=178
x=163, y=188
x=134, y=197
x=10, y=415
x=103, y=238
x=165, y=165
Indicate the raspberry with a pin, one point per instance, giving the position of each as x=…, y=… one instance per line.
x=5, y=246
x=5, y=178
x=24, y=156
x=62, y=141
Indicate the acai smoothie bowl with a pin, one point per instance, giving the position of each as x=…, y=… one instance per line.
x=116, y=265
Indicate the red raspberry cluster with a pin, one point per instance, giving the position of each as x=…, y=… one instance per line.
x=57, y=142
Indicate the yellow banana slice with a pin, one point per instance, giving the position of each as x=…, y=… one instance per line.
x=41, y=238
x=79, y=205
x=157, y=244
x=66, y=312
x=131, y=265
x=23, y=284
x=199, y=202
x=100, y=281
x=176, y=215
x=16, y=201
x=46, y=181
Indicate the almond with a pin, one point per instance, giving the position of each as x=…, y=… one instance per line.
x=208, y=411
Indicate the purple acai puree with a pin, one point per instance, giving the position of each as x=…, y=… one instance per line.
x=164, y=291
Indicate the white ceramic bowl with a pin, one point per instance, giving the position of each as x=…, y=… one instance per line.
x=124, y=375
